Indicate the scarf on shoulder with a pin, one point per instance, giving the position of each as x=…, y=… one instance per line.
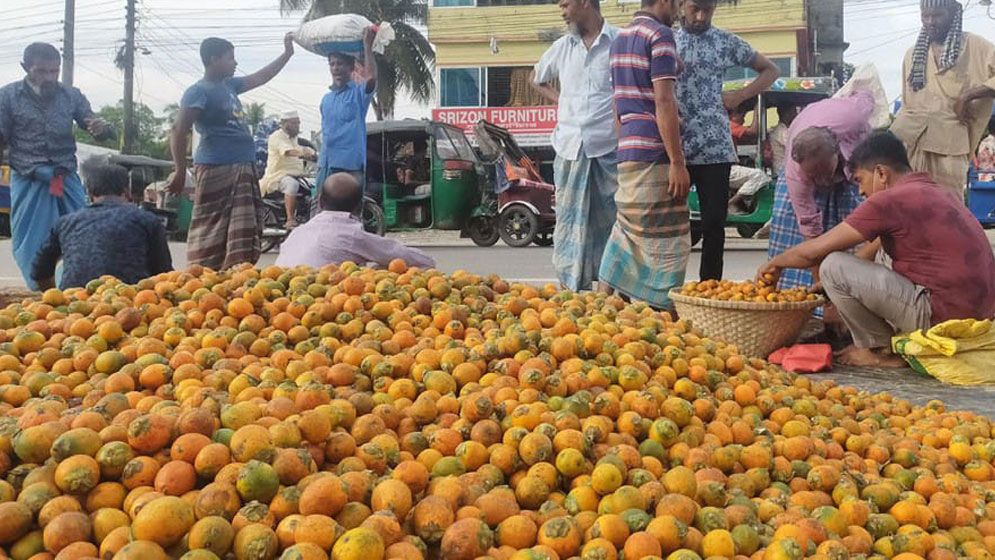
x=952, y=45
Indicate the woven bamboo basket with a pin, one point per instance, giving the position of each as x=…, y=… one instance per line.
x=757, y=329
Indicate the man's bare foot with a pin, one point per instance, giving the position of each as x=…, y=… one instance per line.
x=866, y=357
x=290, y=225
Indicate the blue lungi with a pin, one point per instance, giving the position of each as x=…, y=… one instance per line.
x=34, y=211
x=585, y=214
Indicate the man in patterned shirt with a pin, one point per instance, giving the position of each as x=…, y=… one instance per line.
x=647, y=252
x=708, y=53
x=110, y=236
x=36, y=122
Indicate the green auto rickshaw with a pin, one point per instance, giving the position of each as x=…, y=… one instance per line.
x=421, y=174
x=785, y=92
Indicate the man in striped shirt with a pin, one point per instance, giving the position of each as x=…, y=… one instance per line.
x=648, y=250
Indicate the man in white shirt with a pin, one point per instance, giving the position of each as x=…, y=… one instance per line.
x=285, y=164
x=335, y=236
x=585, y=140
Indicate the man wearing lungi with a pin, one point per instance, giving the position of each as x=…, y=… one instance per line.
x=947, y=95
x=647, y=252
x=707, y=53
x=36, y=123
x=585, y=140
x=816, y=191
x=226, y=225
x=941, y=268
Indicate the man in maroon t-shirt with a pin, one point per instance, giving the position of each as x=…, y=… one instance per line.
x=942, y=263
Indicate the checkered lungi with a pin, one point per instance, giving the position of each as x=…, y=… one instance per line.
x=836, y=204
x=647, y=253
x=227, y=221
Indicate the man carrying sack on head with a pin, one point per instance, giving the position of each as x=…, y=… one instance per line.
x=947, y=96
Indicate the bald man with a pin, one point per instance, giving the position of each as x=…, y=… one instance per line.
x=816, y=192
x=335, y=235
x=947, y=95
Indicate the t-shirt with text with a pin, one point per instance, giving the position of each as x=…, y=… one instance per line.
x=935, y=242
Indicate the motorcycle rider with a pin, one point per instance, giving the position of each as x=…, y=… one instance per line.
x=285, y=164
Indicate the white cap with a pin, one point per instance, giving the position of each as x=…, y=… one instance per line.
x=289, y=115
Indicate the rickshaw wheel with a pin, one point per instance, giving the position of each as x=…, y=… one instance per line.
x=373, y=217
x=483, y=230
x=518, y=226
x=544, y=239
x=747, y=231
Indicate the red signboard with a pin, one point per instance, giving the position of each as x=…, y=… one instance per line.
x=530, y=125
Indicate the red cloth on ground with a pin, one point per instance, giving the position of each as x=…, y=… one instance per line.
x=804, y=358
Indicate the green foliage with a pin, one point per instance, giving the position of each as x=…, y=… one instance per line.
x=152, y=138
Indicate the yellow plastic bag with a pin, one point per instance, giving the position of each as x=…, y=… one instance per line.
x=960, y=352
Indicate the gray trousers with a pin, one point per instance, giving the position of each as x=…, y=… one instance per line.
x=875, y=302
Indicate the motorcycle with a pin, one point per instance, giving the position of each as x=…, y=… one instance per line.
x=275, y=214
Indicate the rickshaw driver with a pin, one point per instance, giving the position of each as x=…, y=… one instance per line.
x=413, y=171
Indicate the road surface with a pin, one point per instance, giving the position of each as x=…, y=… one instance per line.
x=531, y=264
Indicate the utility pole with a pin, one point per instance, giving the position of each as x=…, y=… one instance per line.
x=128, y=141
x=68, y=43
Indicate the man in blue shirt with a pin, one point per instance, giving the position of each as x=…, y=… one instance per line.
x=708, y=52
x=36, y=122
x=343, y=115
x=111, y=236
x=226, y=225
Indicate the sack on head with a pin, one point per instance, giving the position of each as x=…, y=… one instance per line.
x=342, y=33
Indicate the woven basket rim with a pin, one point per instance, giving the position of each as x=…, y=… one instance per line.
x=676, y=296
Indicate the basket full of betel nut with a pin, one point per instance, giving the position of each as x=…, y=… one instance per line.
x=754, y=316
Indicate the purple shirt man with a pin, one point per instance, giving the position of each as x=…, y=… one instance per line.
x=335, y=237
x=848, y=118
x=647, y=44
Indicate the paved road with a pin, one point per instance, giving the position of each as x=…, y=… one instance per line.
x=533, y=264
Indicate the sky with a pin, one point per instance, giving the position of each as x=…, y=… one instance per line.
x=169, y=32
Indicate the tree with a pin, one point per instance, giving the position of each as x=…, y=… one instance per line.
x=152, y=130
x=407, y=63
x=255, y=113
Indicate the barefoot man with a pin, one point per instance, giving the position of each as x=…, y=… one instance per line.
x=942, y=264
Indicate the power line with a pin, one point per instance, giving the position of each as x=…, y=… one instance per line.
x=267, y=89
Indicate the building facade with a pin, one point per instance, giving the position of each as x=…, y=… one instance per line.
x=485, y=50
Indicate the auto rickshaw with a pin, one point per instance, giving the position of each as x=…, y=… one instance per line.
x=784, y=92
x=521, y=207
x=981, y=193
x=406, y=190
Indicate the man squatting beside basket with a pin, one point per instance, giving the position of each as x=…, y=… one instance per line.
x=942, y=265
